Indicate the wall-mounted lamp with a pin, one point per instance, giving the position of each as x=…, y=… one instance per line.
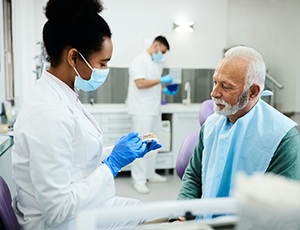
x=184, y=27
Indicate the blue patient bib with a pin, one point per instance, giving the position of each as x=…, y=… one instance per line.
x=248, y=145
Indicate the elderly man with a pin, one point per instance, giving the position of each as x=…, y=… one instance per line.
x=244, y=134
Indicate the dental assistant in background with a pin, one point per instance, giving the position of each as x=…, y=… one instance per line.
x=57, y=163
x=245, y=134
x=144, y=101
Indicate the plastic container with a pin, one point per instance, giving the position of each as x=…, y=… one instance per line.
x=172, y=87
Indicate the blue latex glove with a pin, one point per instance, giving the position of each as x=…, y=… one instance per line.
x=168, y=92
x=166, y=79
x=126, y=150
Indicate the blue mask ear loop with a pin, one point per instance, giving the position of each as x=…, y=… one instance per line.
x=86, y=61
x=76, y=71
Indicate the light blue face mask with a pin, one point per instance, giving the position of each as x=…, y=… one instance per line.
x=157, y=56
x=98, y=77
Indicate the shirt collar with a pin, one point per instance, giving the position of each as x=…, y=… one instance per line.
x=71, y=94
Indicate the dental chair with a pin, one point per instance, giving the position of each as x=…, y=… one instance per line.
x=8, y=219
x=190, y=142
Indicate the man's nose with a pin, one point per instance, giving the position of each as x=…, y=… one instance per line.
x=215, y=92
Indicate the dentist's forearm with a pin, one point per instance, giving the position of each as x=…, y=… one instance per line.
x=146, y=83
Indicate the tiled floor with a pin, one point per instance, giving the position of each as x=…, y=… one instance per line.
x=158, y=191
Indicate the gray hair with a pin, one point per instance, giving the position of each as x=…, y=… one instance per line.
x=256, y=66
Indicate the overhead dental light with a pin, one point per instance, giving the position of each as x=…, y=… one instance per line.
x=183, y=26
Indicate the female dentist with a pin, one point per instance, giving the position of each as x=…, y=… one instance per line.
x=58, y=144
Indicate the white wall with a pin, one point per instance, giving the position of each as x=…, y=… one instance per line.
x=270, y=26
x=134, y=21
x=131, y=22
x=273, y=28
x=24, y=47
x=2, y=82
x=297, y=62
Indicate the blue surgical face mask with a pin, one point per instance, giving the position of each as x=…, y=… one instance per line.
x=157, y=56
x=98, y=77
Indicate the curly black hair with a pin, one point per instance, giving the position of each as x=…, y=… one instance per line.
x=75, y=24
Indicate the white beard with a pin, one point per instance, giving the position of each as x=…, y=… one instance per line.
x=231, y=109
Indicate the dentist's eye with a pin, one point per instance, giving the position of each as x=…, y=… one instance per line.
x=103, y=66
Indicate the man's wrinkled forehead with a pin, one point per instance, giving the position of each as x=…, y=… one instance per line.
x=233, y=69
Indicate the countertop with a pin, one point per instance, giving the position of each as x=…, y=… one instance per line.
x=122, y=108
x=6, y=141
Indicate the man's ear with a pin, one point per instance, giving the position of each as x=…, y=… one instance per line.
x=72, y=57
x=254, y=91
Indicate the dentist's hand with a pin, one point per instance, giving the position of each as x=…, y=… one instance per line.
x=126, y=150
x=166, y=79
x=168, y=92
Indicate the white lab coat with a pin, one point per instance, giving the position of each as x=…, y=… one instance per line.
x=56, y=161
x=144, y=105
x=144, y=101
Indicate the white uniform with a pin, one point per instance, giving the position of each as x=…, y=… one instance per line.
x=144, y=106
x=144, y=101
x=56, y=160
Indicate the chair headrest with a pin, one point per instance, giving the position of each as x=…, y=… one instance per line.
x=206, y=109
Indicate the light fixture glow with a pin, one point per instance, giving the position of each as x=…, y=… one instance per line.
x=183, y=27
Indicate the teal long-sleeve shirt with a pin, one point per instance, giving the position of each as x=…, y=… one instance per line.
x=285, y=162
